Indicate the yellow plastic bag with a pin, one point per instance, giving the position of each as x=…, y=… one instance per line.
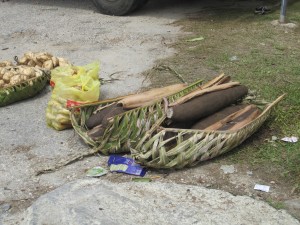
x=78, y=88
x=81, y=87
x=91, y=70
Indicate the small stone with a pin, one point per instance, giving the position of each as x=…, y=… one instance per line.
x=228, y=169
x=234, y=58
x=274, y=138
x=287, y=25
x=249, y=173
x=4, y=208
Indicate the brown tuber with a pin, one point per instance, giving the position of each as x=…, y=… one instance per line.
x=205, y=105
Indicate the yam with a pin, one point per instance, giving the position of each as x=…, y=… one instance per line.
x=203, y=91
x=207, y=104
x=216, y=117
x=97, y=118
x=181, y=125
x=218, y=125
x=96, y=132
x=116, y=110
x=242, y=120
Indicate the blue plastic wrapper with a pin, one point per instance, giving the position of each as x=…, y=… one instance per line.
x=125, y=165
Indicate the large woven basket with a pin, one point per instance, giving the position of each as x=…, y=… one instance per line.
x=23, y=90
x=124, y=130
x=191, y=146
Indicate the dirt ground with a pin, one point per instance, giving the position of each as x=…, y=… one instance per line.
x=224, y=34
x=27, y=145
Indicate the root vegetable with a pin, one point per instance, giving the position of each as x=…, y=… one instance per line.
x=2, y=83
x=97, y=118
x=29, y=55
x=206, y=90
x=24, y=77
x=37, y=62
x=44, y=56
x=5, y=63
x=28, y=71
x=15, y=80
x=63, y=119
x=7, y=76
x=3, y=71
x=38, y=72
x=23, y=61
x=60, y=126
x=207, y=104
x=96, y=132
x=63, y=62
x=55, y=61
x=242, y=120
x=116, y=110
x=48, y=65
x=31, y=63
x=224, y=122
x=216, y=117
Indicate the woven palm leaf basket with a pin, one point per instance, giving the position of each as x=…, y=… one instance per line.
x=123, y=131
x=25, y=88
x=166, y=148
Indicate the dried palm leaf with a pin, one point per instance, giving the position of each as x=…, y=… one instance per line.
x=189, y=147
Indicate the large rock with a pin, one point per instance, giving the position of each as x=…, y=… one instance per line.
x=93, y=201
x=293, y=206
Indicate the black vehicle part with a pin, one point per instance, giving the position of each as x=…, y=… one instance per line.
x=118, y=7
x=140, y=4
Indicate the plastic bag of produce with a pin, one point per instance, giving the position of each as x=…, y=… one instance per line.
x=80, y=87
x=91, y=70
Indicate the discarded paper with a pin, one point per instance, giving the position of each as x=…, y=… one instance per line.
x=125, y=165
x=96, y=172
x=196, y=39
x=263, y=188
x=234, y=58
x=141, y=179
x=290, y=139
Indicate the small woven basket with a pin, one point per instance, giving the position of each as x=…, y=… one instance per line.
x=189, y=147
x=124, y=130
x=23, y=90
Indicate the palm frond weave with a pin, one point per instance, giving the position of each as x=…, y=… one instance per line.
x=191, y=146
x=23, y=90
x=124, y=130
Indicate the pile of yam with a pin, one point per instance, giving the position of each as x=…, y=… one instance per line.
x=43, y=60
x=215, y=105
x=11, y=75
x=99, y=120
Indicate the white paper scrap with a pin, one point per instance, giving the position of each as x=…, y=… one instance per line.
x=263, y=188
x=290, y=139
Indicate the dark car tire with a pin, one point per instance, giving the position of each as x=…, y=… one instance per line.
x=116, y=7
